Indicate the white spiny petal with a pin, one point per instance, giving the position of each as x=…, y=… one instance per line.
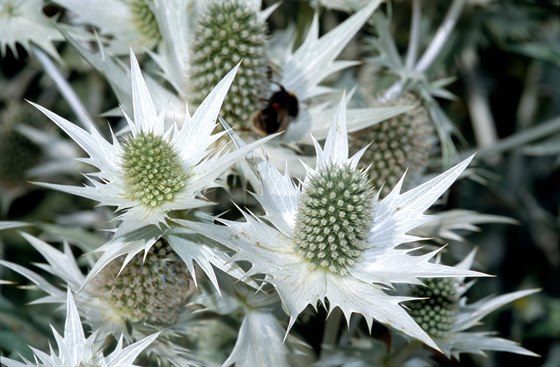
x=280, y=200
x=130, y=244
x=336, y=145
x=373, y=303
x=397, y=266
x=397, y=214
x=259, y=342
x=477, y=343
x=145, y=114
x=24, y=23
x=126, y=356
x=481, y=309
x=314, y=59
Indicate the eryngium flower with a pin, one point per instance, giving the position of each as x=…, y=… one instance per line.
x=398, y=145
x=150, y=289
x=445, y=315
x=74, y=349
x=331, y=239
x=225, y=34
x=106, y=312
x=155, y=170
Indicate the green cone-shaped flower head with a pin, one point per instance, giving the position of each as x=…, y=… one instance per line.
x=334, y=218
x=151, y=290
x=402, y=143
x=436, y=314
x=227, y=33
x=152, y=170
x=144, y=20
x=17, y=153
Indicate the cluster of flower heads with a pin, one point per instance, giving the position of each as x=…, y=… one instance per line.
x=337, y=228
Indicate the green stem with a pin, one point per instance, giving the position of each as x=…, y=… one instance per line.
x=414, y=36
x=402, y=355
x=441, y=37
x=481, y=117
x=330, y=335
x=542, y=130
x=433, y=50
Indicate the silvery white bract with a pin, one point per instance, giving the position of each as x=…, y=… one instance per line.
x=260, y=341
x=331, y=239
x=313, y=61
x=156, y=170
x=74, y=349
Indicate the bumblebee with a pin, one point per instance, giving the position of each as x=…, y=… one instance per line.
x=282, y=107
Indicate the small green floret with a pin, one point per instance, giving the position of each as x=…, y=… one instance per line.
x=152, y=170
x=334, y=218
x=436, y=314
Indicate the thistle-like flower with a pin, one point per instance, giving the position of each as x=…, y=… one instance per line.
x=149, y=295
x=445, y=315
x=331, y=239
x=74, y=349
x=151, y=289
x=398, y=145
x=155, y=170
